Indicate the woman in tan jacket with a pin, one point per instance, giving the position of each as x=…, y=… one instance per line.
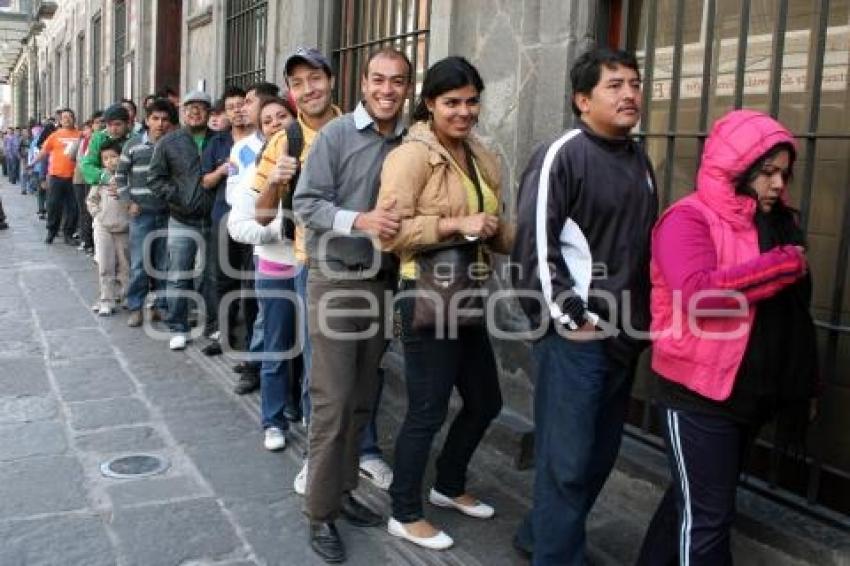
x=444, y=184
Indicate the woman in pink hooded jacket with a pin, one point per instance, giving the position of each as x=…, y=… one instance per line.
x=733, y=340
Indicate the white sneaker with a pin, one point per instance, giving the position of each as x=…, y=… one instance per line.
x=274, y=439
x=215, y=336
x=178, y=342
x=104, y=309
x=440, y=541
x=479, y=510
x=300, y=483
x=378, y=472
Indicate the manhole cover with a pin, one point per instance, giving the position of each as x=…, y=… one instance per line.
x=135, y=466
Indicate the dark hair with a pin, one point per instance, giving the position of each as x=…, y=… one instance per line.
x=97, y=114
x=131, y=103
x=165, y=92
x=445, y=75
x=389, y=53
x=232, y=91
x=587, y=69
x=264, y=88
x=166, y=106
x=742, y=182
x=63, y=110
x=87, y=123
x=112, y=144
x=285, y=102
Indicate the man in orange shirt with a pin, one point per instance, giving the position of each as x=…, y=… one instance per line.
x=60, y=175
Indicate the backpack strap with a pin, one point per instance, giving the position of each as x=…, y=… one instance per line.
x=295, y=145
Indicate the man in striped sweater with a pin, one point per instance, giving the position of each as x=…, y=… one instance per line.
x=147, y=212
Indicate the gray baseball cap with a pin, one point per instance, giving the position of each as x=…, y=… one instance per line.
x=197, y=96
x=309, y=55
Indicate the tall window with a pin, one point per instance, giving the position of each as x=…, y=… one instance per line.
x=57, y=79
x=366, y=25
x=120, y=46
x=67, y=73
x=245, y=49
x=81, y=67
x=95, y=62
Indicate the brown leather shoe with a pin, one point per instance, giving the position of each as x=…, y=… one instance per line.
x=135, y=319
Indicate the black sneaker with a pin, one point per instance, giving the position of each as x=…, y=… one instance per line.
x=49, y=238
x=248, y=382
x=4, y=226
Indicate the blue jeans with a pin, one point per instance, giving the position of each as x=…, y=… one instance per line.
x=278, y=321
x=369, y=449
x=140, y=281
x=182, y=250
x=580, y=401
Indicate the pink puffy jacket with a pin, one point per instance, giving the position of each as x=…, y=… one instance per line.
x=698, y=349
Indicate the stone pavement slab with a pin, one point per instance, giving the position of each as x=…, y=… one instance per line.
x=56, y=541
x=107, y=412
x=117, y=440
x=41, y=438
x=91, y=379
x=24, y=375
x=176, y=533
x=36, y=486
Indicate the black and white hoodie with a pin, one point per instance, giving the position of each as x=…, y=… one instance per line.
x=585, y=211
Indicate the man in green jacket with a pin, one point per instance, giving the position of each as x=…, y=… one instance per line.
x=117, y=127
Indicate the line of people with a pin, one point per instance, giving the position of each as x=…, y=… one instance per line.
x=297, y=223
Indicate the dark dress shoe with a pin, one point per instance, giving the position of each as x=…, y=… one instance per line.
x=358, y=514
x=212, y=349
x=292, y=414
x=247, y=383
x=325, y=541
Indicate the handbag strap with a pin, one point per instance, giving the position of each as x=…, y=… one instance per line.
x=473, y=175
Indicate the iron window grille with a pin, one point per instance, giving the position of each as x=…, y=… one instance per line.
x=119, y=47
x=367, y=25
x=245, y=43
x=96, y=27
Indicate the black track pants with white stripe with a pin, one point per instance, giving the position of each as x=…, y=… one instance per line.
x=692, y=524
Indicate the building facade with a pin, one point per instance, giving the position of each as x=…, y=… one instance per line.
x=699, y=59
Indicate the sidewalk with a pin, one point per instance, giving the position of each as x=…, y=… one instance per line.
x=76, y=389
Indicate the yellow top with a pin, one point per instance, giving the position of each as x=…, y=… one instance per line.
x=274, y=149
x=491, y=206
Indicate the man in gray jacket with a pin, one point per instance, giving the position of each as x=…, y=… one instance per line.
x=174, y=176
x=148, y=213
x=334, y=200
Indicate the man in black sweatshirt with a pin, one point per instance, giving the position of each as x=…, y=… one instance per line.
x=586, y=206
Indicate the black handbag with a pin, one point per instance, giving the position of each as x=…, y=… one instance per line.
x=449, y=287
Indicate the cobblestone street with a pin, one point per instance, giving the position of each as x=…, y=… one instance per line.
x=77, y=389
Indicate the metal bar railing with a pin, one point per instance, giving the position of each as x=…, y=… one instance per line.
x=816, y=64
x=707, y=59
x=741, y=61
x=675, y=82
x=776, y=57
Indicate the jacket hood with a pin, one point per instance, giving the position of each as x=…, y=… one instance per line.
x=735, y=142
